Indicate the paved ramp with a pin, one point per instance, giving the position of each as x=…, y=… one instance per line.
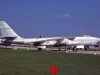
x=85, y=52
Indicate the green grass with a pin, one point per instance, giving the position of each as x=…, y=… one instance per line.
x=23, y=62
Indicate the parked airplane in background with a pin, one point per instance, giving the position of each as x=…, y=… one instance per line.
x=82, y=42
x=9, y=37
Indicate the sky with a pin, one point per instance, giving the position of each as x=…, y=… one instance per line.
x=51, y=18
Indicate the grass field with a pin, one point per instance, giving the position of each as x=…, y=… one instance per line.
x=23, y=62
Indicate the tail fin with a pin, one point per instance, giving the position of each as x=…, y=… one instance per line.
x=6, y=31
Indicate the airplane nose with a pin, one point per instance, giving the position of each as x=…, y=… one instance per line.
x=98, y=40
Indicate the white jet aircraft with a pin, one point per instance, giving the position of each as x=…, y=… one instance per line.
x=10, y=37
x=81, y=42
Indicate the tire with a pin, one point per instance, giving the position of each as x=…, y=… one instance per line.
x=39, y=49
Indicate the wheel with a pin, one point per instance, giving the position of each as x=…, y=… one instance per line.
x=59, y=49
x=39, y=48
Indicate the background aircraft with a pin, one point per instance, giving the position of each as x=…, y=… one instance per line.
x=81, y=42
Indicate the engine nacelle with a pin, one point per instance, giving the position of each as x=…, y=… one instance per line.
x=3, y=40
x=41, y=47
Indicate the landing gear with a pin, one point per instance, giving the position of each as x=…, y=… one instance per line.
x=39, y=49
x=14, y=47
x=74, y=48
x=59, y=49
x=65, y=47
x=86, y=48
x=97, y=46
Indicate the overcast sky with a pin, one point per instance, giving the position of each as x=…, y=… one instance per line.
x=31, y=18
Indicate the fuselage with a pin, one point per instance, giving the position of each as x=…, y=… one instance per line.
x=20, y=40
